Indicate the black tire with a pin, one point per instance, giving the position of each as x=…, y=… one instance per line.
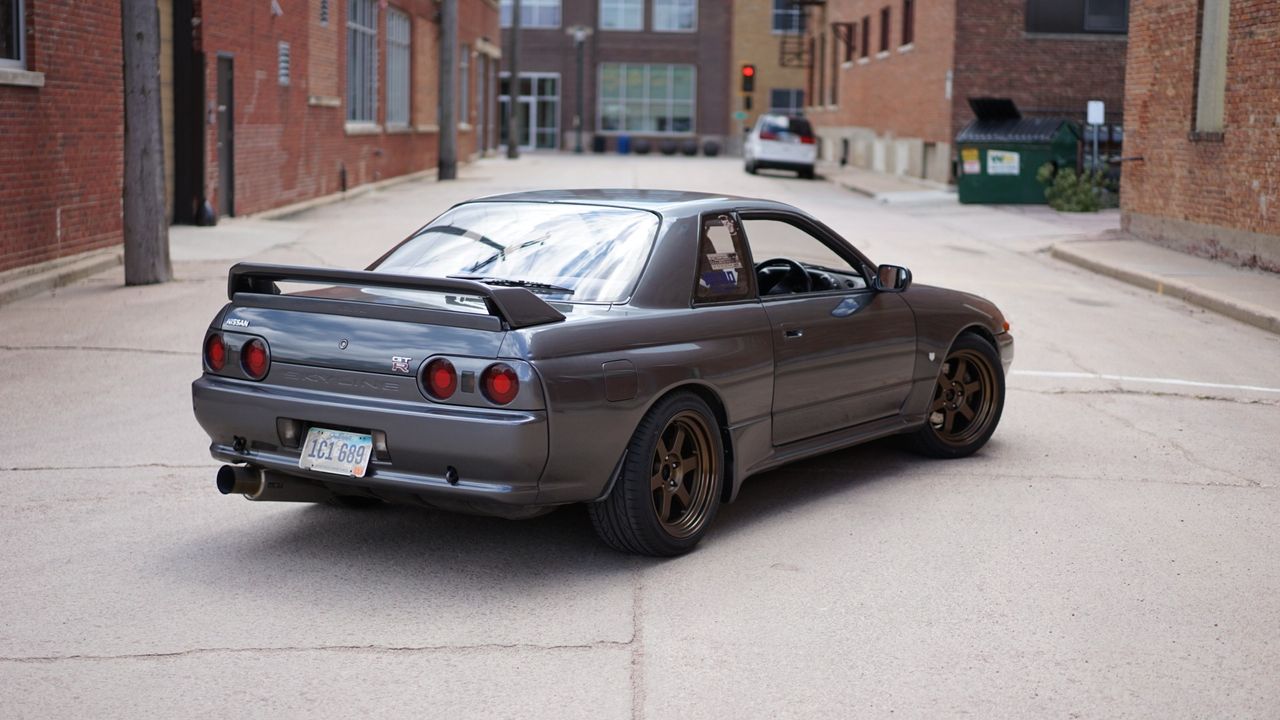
x=806, y=174
x=631, y=518
x=967, y=402
x=751, y=167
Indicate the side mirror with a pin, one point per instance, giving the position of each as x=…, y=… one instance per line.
x=892, y=278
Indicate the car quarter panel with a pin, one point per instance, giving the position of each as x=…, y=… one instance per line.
x=583, y=365
x=941, y=315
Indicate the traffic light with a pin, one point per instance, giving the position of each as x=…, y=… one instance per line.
x=748, y=78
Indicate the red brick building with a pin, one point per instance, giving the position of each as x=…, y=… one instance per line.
x=265, y=103
x=889, y=80
x=1203, y=102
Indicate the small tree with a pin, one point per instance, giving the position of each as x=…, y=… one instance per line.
x=1068, y=191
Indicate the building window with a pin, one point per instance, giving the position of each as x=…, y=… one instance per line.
x=533, y=13
x=655, y=99
x=1078, y=16
x=397, y=67
x=787, y=18
x=538, y=122
x=884, y=28
x=908, y=22
x=1211, y=66
x=12, y=35
x=785, y=101
x=464, y=85
x=621, y=14
x=324, y=13
x=866, y=36
x=362, y=61
x=675, y=15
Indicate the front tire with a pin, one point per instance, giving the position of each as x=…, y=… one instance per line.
x=669, y=489
x=968, y=400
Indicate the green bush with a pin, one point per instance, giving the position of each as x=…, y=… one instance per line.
x=1067, y=191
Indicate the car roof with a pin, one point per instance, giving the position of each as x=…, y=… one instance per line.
x=663, y=202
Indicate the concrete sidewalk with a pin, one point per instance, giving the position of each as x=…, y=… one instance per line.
x=885, y=188
x=1250, y=296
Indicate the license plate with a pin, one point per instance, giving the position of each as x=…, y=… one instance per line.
x=336, y=452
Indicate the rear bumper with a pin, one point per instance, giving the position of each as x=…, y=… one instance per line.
x=499, y=455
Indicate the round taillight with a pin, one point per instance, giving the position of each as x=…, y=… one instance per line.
x=500, y=383
x=440, y=379
x=254, y=359
x=215, y=352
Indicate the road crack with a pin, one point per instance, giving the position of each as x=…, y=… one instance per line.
x=1151, y=393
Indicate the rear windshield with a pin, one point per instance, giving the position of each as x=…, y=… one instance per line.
x=797, y=125
x=575, y=253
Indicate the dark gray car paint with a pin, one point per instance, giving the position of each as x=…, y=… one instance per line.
x=601, y=368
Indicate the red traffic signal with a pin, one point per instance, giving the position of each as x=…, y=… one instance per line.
x=748, y=71
x=748, y=78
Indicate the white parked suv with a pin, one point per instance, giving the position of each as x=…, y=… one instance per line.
x=785, y=142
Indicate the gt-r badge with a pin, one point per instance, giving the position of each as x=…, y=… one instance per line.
x=400, y=364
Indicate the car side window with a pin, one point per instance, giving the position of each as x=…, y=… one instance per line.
x=781, y=241
x=722, y=276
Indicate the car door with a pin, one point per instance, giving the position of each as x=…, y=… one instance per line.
x=843, y=352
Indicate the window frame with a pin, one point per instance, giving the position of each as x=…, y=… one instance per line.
x=621, y=7
x=820, y=232
x=20, y=39
x=528, y=7
x=795, y=12
x=675, y=8
x=908, y=23
x=464, y=85
x=864, y=51
x=886, y=28
x=395, y=14
x=744, y=256
x=1210, y=122
x=369, y=97
x=623, y=99
x=795, y=94
x=1036, y=24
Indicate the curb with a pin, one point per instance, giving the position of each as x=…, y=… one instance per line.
x=1237, y=310
x=285, y=211
x=33, y=280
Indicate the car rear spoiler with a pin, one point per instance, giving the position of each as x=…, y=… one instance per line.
x=515, y=306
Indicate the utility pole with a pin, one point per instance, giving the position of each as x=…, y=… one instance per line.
x=513, y=84
x=146, y=232
x=448, y=165
x=580, y=33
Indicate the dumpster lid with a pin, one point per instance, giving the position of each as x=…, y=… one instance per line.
x=989, y=108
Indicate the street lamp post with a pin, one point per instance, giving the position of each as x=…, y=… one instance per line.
x=580, y=34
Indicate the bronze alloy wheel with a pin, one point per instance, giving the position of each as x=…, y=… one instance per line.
x=966, y=399
x=684, y=471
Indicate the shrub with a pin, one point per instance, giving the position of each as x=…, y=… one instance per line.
x=1068, y=191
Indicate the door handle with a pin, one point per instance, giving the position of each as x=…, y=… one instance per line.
x=793, y=333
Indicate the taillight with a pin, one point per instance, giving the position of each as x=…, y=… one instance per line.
x=440, y=379
x=254, y=359
x=499, y=383
x=807, y=139
x=768, y=136
x=215, y=352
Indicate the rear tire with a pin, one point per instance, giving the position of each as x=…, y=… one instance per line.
x=968, y=400
x=806, y=174
x=668, y=491
x=751, y=167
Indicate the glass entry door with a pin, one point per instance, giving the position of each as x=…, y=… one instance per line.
x=539, y=110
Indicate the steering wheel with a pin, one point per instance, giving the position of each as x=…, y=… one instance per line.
x=782, y=276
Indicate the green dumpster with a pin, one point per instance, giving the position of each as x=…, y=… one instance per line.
x=1001, y=151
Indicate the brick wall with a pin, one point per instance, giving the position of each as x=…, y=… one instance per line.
x=292, y=142
x=756, y=43
x=1217, y=197
x=61, y=145
x=900, y=92
x=1044, y=74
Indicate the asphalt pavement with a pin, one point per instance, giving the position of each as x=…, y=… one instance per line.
x=1111, y=553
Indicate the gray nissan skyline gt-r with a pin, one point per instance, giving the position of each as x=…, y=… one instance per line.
x=640, y=351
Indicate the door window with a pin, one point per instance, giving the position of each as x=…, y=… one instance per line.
x=779, y=240
x=722, y=276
